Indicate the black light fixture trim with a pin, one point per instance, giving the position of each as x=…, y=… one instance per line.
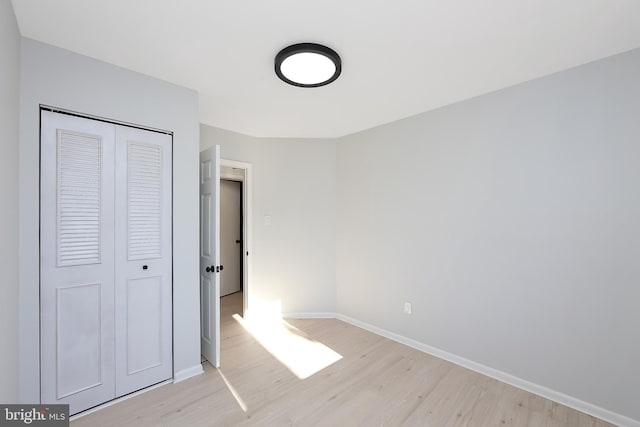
x=308, y=48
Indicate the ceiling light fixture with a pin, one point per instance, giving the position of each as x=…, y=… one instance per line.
x=308, y=65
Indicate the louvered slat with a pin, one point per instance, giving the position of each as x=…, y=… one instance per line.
x=144, y=187
x=79, y=198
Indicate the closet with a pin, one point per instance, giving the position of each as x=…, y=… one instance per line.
x=105, y=260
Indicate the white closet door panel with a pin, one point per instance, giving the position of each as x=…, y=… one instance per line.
x=144, y=324
x=76, y=261
x=79, y=332
x=143, y=259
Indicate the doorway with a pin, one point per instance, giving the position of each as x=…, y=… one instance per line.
x=230, y=237
x=235, y=232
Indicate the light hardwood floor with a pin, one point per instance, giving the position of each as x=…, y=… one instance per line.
x=377, y=382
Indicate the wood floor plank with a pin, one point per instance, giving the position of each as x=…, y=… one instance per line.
x=377, y=382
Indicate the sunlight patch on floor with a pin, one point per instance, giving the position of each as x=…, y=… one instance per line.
x=233, y=390
x=302, y=355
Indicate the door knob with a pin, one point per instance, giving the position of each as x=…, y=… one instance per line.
x=209, y=269
x=237, y=241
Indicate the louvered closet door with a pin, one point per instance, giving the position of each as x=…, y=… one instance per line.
x=143, y=259
x=106, y=274
x=76, y=261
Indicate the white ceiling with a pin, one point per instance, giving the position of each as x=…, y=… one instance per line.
x=400, y=58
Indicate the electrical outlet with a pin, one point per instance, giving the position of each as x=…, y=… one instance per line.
x=267, y=221
x=407, y=308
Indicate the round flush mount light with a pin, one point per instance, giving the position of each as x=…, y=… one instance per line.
x=308, y=65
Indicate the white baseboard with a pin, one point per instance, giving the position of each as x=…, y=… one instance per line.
x=545, y=392
x=187, y=373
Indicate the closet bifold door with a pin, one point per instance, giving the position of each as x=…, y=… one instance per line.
x=105, y=260
x=143, y=289
x=76, y=261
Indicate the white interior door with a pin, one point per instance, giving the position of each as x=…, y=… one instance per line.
x=143, y=259
x=230, y=236
x=210, y=254
x=76, y=261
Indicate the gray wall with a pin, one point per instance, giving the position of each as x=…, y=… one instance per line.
x=9, y=125
x=56, y=77
x=512, y=223
x=294, y=183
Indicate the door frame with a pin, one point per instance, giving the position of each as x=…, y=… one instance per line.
x=247, y=221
